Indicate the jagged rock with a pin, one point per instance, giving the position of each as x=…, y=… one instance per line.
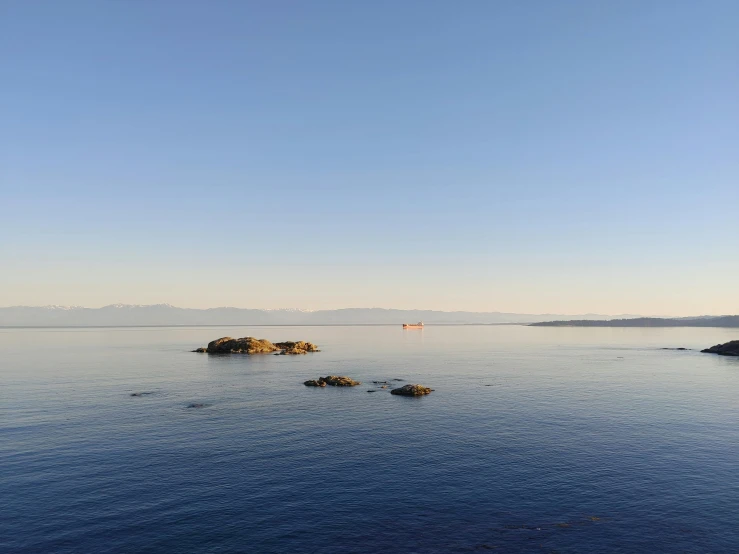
x=333, y=380
x=727, y=349
x=299, y=347
x=250, y=345
x=412, y=390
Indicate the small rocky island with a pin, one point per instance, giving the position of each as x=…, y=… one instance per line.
x=333, y=380
x=250, y=345
x=727, y=349
x=412, y=390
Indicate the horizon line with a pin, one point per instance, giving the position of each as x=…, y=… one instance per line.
x=309, y=310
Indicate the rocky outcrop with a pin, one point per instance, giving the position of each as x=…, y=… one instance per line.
x=333, y=380
x=250, y=345
x=246, y=345
x=412, y=390
x=300, y=347
x=726, y=349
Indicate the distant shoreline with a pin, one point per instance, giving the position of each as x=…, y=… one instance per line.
x=727, y=321
x=398, y=325
x=656, y=323
x=117, y=315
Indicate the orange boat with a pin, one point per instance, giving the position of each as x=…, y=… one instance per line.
x=418, y=325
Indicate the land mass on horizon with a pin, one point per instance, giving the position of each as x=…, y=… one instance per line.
x=166, y=314
x=701, y=321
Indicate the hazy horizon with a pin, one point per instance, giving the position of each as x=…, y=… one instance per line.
x=303, y=309
x=262, y=306
x=729, y=309
x=527, y=157
x=289, y=308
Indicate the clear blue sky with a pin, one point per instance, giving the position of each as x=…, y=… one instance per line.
x=529, y=156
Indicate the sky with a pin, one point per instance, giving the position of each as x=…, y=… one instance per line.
x=521, y=156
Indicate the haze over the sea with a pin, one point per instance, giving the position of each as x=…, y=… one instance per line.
x=524, y=157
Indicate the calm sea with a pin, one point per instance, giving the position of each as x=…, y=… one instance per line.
x=535, y=440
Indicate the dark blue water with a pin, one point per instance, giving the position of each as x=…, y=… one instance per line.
x=535, y=440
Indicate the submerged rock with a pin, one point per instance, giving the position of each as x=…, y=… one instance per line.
x=250, y=345
x=727, y=349
x=412, y=390
x=142, y=393
x=197, y=405
x=333, y=380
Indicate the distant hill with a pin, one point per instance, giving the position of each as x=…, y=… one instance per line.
x=165, y=314
x=701, y=321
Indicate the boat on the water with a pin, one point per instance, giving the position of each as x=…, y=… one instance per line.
x=418, y=325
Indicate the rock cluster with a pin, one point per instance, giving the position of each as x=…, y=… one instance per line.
x=333, y=380
x=250, y=345
x=726, y=349
x=412, y=390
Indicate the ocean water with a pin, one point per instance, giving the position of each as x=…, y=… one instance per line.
x=535, y=440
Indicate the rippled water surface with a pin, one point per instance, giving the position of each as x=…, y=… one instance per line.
x=535, y=440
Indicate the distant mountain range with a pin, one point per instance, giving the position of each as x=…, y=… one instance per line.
x=701, y=321
x=165, y=314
